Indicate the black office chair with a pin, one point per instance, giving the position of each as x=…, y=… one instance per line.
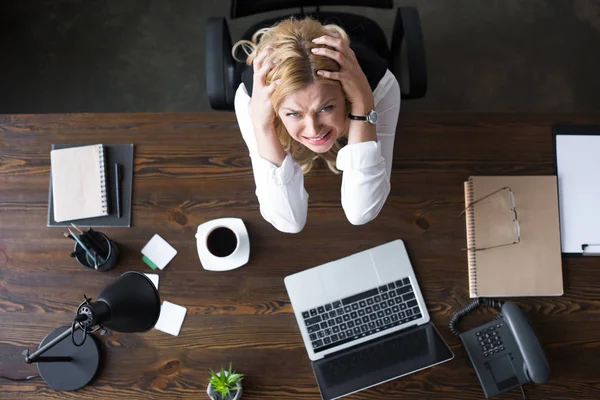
x=223, y=73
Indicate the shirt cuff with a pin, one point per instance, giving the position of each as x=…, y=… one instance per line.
x=281, y=176
x=359, y=156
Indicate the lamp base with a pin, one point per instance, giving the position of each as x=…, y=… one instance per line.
x=74, y=374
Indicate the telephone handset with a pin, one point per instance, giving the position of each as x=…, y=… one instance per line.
x=505, y=352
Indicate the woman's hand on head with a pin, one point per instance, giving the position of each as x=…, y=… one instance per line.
x=351, y=76
x=263, y=114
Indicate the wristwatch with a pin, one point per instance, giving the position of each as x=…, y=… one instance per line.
x=371, y=117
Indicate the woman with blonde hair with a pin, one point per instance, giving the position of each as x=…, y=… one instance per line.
x=305, y=97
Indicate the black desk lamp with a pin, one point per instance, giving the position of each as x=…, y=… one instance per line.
x=129, y=304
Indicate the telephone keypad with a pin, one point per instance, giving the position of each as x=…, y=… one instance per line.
x=490, y=341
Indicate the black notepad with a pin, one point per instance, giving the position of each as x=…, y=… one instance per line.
x=113, y=153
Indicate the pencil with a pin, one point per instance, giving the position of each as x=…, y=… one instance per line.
x=76, y=228
x=96, y=241
x=68, y=236
x=82, y=245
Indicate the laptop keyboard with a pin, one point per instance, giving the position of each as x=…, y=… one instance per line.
x=360, y=315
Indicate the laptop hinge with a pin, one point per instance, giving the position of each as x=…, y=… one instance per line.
x=368, y=342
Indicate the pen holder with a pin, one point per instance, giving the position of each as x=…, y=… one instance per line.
x=104, y=264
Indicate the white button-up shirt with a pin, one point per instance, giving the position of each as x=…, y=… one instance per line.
x=366, y=167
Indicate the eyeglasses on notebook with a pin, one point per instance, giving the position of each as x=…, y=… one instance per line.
x=515, y=220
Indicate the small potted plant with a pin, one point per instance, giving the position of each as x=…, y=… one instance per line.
x=225, y=384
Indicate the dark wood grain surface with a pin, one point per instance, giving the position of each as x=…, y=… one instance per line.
x=191, y=168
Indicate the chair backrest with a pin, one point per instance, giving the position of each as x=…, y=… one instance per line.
x=243, y=8
x=224, y=74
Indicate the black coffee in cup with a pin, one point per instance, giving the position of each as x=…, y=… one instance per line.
x=221, y=242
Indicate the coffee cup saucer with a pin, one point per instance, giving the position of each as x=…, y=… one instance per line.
x=237, y=258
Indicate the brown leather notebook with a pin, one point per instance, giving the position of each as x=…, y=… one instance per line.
x=513, y=251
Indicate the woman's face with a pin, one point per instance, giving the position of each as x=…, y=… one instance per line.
x=315, y=116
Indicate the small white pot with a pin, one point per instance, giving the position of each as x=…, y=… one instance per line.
x=214, y=396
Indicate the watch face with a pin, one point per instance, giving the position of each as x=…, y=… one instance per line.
x=372, y=117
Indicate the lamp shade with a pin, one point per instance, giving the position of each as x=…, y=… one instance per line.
x=132, y=303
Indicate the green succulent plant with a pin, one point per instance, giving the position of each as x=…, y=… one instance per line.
x=225, y=381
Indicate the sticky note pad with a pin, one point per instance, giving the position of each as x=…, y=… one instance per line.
x=171, y=318
x=158, y=253
x=153, y=278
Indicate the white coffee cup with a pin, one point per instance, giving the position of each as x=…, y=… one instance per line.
x=223, y=244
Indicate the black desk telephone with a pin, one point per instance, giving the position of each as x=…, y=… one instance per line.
x=505, y=352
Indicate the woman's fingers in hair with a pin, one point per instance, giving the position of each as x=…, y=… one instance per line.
x=272, y=86
x=331, y=33
x=333, y=54
x=264, y=70
x=260, y=58
x=329, y=74
x=337, y=43
x=330, y=40
x=262, y=67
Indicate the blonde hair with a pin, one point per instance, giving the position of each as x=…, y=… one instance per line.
x=291, y=41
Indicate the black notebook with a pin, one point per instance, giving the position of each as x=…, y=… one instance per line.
x=112, y=153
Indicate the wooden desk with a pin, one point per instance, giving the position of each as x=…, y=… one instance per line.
x=191, y=168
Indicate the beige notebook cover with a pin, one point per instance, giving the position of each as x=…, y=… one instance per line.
x=533, y=267
x=78, y=183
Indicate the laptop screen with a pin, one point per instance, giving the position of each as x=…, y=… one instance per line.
x=380, y=360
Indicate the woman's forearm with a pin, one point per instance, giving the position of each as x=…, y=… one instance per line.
x=362, y=131
x=268, y=145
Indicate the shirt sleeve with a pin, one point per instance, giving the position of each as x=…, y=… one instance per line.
x=280, y=190
x=367, y=166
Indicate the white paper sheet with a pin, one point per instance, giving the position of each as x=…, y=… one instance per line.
x=154, y=278
x=159, y=251
x=578, y=165
x=171, y=318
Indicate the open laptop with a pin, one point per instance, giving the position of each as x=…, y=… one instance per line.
x=364, y=321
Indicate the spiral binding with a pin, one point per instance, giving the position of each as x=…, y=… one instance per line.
x=471, y=255
x=102, y=179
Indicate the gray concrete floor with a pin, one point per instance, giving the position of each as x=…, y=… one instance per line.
x=148, y=55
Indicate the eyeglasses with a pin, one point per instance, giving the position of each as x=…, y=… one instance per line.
x=515, y=220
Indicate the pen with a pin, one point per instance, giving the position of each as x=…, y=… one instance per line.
x=82, y=245
x=589, y=253
x=586, y=245
x=118, y=178
x=96, y=241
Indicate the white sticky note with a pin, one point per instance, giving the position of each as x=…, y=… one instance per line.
x=171, y=318
x=153, y=278
x=159, y=251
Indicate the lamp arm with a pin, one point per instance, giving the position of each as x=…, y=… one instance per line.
x=35, y=357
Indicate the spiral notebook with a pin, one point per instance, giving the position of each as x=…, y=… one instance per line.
x=79, y=183
x=533, y=266
x=122, y=154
